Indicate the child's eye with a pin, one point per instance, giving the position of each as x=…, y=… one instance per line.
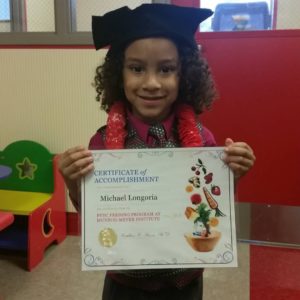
x=168, y=69
x=135, y=68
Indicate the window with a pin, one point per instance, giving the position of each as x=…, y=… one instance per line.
x=4, y=16
x=68, y=22
x=40, y=16
x=238, y=15
x=83, y=10
x=27, y=16
x=59, y=22
x=251, y=15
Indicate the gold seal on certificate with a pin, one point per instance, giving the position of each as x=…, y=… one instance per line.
x=107, y=237
x=158, y=208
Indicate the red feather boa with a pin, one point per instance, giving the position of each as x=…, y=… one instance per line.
x=116, y=127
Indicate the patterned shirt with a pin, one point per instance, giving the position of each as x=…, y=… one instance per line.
x=138, y=137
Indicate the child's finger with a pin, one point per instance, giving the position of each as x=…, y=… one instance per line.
x=228, y=142
x=74, y=154
x=78, y=168
x=239, y=149
x=79, y=172
x=238, y=169
x=240, y=160
x=75, y=162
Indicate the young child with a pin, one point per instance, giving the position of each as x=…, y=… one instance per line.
x=153, y=84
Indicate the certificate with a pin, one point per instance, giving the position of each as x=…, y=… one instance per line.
x=158, y=208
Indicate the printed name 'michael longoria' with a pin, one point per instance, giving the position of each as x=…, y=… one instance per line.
x=129, y=197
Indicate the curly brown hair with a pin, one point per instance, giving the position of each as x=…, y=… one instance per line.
x=196, y=85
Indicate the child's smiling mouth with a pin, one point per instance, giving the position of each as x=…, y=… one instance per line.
x=151, y=98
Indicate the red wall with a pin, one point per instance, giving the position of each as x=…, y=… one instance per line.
x=258, y=78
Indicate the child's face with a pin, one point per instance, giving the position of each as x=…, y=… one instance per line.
x=151, y=78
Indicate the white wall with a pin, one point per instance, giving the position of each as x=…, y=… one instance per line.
x=47, y=96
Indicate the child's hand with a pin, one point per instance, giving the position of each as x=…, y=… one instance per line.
x=75, y=163
x=239, y=156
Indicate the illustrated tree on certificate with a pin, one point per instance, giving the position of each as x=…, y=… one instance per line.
x=203, y=218
x=203, y=238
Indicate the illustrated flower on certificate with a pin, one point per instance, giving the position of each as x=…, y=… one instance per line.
x=204, y=211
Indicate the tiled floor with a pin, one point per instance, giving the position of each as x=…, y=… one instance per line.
x=59, y=277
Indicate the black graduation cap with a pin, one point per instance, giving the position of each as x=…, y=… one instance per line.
x=123, y=25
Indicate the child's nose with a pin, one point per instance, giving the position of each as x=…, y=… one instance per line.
x=151, y=82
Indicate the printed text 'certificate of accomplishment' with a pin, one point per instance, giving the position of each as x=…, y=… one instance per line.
x=158, y=208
